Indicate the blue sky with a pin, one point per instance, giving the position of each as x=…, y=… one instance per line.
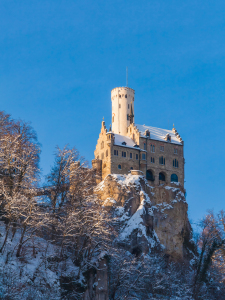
x=59, y=61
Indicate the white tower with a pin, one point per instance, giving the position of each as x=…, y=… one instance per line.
x=122, y=109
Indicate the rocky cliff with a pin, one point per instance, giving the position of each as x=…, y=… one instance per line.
x=149, y=217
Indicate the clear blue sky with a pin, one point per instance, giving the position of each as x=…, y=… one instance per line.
x=59, y=61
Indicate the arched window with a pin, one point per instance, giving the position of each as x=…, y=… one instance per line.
x=131, y=168
x=144, y=146
x=161, y=160
x=174, y=178
x=102, y=144
x=162, y=177
x=106, y=154
x=119, y=167
x=175, y=163
x=102, y=156
x=149, y=175
x=153, y=148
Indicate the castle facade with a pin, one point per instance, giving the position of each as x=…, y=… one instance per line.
x=129, y=147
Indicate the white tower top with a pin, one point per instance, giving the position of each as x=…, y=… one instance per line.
x=122, y=109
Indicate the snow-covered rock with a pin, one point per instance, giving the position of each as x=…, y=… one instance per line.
x=148, y=217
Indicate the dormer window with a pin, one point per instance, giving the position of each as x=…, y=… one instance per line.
x=147, y=133
x=168, y=137
x=136, y=146
x=124, y=143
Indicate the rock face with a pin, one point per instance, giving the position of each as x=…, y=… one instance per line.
x=149, y=216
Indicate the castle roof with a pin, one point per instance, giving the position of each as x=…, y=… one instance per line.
x=158, y=134
x=125, y=141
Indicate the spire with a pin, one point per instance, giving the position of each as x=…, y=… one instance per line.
x=131, y=115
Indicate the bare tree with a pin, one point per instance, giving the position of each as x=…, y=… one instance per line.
x=212, y=246
x=19, y=159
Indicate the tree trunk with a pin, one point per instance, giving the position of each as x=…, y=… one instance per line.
x=21, y=242
x=6, y=237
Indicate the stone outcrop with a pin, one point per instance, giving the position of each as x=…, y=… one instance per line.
x=148, y=219
x=149, y=216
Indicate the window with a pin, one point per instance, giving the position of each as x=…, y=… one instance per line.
x=130, y=155
x=124, y=154
x=137, y=156
x=120, y=96
x=131, y=168
x=106, y=153
x=102, y=144
x=124, y=143
x=149, y=175
x=175, y=163
x=153, y=148
x=144, y=146
x=102, y=156
x=147, y=133
x=143, y=156
x=119, y=105
x=162, y=177
x=128, y=106
x=119, y=167
x=152, y=160
x=161, y=160
x=162, y=148
x=126, y=97
x=116, y=152
x=174, y=178
x=175, y=151
x=128, y=117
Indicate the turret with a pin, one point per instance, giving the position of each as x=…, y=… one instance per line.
x=122, y=109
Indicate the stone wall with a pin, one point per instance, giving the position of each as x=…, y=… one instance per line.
x=105, y=152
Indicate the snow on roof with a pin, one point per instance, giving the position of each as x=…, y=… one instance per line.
x=158, y=133
x=120, y=139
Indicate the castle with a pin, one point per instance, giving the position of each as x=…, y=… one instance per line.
x=129, y=147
